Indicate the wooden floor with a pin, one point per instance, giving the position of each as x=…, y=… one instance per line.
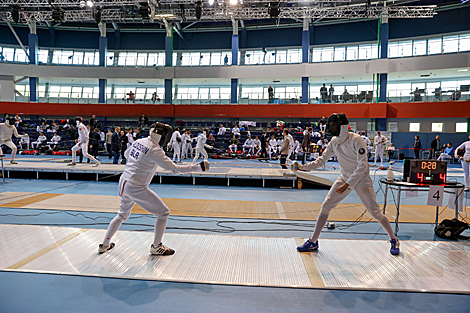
x=218, y=208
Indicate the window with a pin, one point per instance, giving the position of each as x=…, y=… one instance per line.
x=392, y=126
x=435, y=46
x=9, y=54
x=20, y=56
x=406, y=49
x=461, y=127
x=316, y=55
x=294, y=56
x=77, y=58
x=370, y=126
x=419, y=47
x=65, y=91
x=393, y=50
x=142, y=59
x=450, y=44
x=464, y=44
x=437, y=127
x=340, y=53
x=353, y=126
x=352, y=53
x=327, y=54
x=43, y=56
x=414, y=127
x=281, y=56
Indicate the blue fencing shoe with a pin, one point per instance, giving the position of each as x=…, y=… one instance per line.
x=308, y=246
x=395, y=249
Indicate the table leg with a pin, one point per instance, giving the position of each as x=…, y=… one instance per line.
x=398, y=210
x=437, y=216
x=385, y=199
x=457, y=195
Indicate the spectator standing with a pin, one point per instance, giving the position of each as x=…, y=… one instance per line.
x=143, y=121
x=109, y=137
x=116, y=144
x=324, y=94
x=226, y=60
x=435, y=146
x=93, y=122
x=271, y=94
x=417, y=147
x=124, y=142
x=331, y=91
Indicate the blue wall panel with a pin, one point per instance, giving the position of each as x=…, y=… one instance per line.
x=444, y=22
x=7, y=37
x=141, y=41
x=286, y=37
x=203, y=40
x=346, y=32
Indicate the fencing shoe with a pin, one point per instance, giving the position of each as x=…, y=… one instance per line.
x=161, y=250
x=308, y=246
x=395, y=249
x=13, y=162
x=103, y=249
x=72, y=164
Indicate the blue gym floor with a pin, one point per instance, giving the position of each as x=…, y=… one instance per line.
x=28, y=292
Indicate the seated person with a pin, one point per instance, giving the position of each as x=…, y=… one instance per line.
x=236, y=130
x=222, y=130
x=257, y=145
x=54, y=128
x=447, y=154
x=40, y=141
x=54, y=142
x=24, y=141
x=42, y=127
x=233, y=145
x=249, y=145
x=391, y=152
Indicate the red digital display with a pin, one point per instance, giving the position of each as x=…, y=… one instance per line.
x=428, y=172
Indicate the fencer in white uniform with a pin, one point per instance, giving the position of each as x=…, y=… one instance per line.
x=291, y=148
x=200, y=146
x=143, y=158
x=366, y=139
x=8, y=129
x=24, y=141
x=222, y=130
x=350, y=150
x=54, y=141
x=236, y=131
x=379, y=142
x=186, y=140
x=41, y=139
x=272, y=147
x=248, y=145
x=175, y=142
x=256, y=145
x=82, y=143
x=465, y=160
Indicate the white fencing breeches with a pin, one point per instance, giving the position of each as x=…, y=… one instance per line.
x=148, y=200
x=202, y=151
x=232, y=148
x=84, y=147
x=364, y=190
x=10, y=145
x=466, y=170
x=379, y=152
x=177, y=152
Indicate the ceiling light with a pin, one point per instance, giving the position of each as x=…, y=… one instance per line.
x=211, y=2
x=233, y=2
x=463, y=70
x=273, y=9
x=198, y=9
x=89, y=3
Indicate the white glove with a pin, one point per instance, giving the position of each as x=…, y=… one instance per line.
x=204, y=166
x=295, y=166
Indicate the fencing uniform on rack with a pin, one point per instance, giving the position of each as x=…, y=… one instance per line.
x=82, y=143
x=143, y=158
x=379, y=142
x=8, y=129
x=465, y=160
x=350, y=150
x=175, y=142
x=200, y=146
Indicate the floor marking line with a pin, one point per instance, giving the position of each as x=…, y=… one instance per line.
x=310, y=267
x=280, y=210
x=30, y=200
x=41, y=252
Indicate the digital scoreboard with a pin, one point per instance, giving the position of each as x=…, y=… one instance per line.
x=427, y=172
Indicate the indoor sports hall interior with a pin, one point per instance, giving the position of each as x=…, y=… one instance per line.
x=270, y=94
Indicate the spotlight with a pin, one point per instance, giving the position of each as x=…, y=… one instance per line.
x=58, y=15
x=273, y=9
x=183, y=17
x=15, y=13
x=89, y=3
x=211, y=2
x=233, y=2
x=97, y=14
x=144, y=10
x=198, y=9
